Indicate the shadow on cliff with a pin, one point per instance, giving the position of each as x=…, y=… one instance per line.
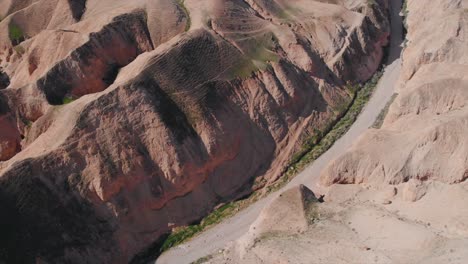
x=38, y=223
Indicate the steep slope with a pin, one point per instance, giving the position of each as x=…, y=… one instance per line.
x=120, y=126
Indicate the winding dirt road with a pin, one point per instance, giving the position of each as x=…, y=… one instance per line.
x=231, y=229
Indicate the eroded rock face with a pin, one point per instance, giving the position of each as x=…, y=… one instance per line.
x=94, y=66
x=161, y=125
x=9, y=137
x=424, y=133
x=290, y=213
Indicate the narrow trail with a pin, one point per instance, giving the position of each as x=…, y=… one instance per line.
x=216, y=238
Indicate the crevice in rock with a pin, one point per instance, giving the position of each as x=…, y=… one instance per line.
x=4, y=80
x=94, y=66
x=10, y=136
x=4, y=109
x=111, y=73
x=78, y=8
x=150, y=253
x=256, y=12
x=170, y=112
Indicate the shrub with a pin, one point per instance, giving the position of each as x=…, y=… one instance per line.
x=67, y=100
x=16, y=34
x=19, y=49
x=380, y=119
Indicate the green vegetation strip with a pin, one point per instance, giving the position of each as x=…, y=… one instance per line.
x=405, y=13
x=187, y=13
x=362, y=94
x=380, y=119
x=184, y=233
x=203, y=260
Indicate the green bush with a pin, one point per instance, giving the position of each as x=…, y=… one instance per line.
x=16, y=34
x=371, y=3
x=203, y=260
x=19, y=49
x=182, y=234
x=67, y=100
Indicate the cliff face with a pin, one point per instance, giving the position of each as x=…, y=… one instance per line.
x=117, y=125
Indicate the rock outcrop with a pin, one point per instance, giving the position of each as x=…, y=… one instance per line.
x=290, y=213
x=124, y=119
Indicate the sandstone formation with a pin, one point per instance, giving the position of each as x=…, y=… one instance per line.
x=123, y=119
x=290, y=213
x=399, y=194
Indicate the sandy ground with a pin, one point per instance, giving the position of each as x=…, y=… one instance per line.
x=361, y=225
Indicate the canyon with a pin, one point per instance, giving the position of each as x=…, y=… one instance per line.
x=399, y=193
x=122, y=120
